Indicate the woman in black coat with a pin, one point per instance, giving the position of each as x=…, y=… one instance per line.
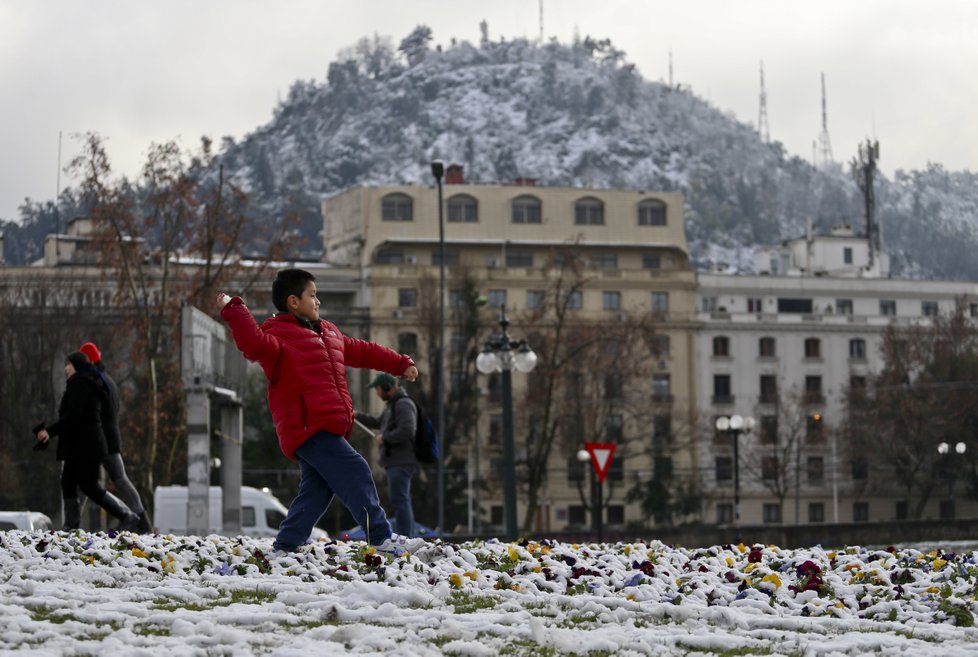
x=81, y=443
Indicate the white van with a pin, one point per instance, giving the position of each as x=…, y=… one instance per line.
x=29, y=521
x=261, y=512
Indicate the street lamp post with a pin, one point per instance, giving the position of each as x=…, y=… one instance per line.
x=438, y=171
x=597, y=503
x=735, y=425
x=501, y=354
x=945, y=451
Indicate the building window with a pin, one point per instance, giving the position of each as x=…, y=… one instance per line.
x=721, y=389
x=724, y=468
x=860, y=511
x=535, y=299
x=661, y=346
x=887, y=307
x=576, y=469
x=860, y=468
x=721, y=346
x=928, y=308
x=407, y=343
x=651, y=261
x=519, y=259
x=662, y=428
x=616, y=514
x=451, y=258
x=603, y=261
x=813, y=348
x=769, y=468
x=816, y=471
x=496, y=515
x=576, y=516
x=847, y=255
x=708, y=304
x=803, y=306
x=662, y=468
x=769, y=429
x=613, y=388
x=724, y=513
x=614, y=425
x=769, y=389
x=526, y=210
x=496, y=429
x=611, y=300
x=652, y=213
x=389, y=257
x=772, y=513
x=901, y=510
x=813, y=389
x=857, y=349
x=616, y=470
x=496, y=298
x=575, y=300
x=843, y=306
x=457, y=344
x=661, y=388
x=463, y=208
x=766, y=347
x=589, y=212
x=660, y=302
x=972, y=309
x=407, y=297
x=816, y=512
x=755, y=304
x=397, y=207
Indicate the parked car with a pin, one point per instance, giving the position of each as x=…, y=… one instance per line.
x=261, y=512
x=357, y=533
x=29, y=521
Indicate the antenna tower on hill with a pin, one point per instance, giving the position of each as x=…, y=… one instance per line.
x=824, y=143
x=670, y=69
x=762, y=127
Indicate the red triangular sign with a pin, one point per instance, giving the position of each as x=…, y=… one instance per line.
x=601, y=454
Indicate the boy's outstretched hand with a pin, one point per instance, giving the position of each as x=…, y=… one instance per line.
x=222, y=300
x=410, y=373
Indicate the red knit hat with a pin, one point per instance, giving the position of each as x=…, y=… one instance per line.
x=90, y=350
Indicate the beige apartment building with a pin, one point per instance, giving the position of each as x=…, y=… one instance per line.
x=636, y=265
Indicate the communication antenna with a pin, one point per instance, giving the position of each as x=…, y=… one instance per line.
x=541, y=22
x=762, y=127
x=670, y=68
x=57, y=214
x=824, y=143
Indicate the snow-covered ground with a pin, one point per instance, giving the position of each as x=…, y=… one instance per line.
x=92, y=594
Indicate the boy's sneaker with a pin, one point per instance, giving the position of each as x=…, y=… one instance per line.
x=398, y=545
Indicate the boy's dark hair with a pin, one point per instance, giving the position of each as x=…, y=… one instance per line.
x=289, y=282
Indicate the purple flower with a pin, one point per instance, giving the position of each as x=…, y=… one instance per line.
x=223, y=569
x=634, y=580
x=88, y=544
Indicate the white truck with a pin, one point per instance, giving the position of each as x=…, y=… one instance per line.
x=261, y=512
x=29, y=521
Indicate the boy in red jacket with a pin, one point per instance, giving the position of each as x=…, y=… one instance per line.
x=305, y=360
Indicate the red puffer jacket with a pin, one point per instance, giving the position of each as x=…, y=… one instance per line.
x=306, y=371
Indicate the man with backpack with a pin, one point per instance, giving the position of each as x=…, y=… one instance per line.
x=398, y=426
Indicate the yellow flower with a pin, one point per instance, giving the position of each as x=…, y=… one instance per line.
x=545, y=549
x=939, y=563
x=136, y=552
x=840, y=605
x=513, y=554
x=88, y=558
x=774, y=579
x=455, y=580
x=729, y=562
x=627, y=550
x=472, y=575
x=750, y=567
x=742, y=548
x=630, y=596
x=537, y=569
x=371, y=549
x=830, y=555
x=933, y=589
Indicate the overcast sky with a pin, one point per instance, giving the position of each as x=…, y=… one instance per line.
x=901, y=71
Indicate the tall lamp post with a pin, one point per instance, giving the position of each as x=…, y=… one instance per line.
x=597, y=503
x=438, y=171
x=735, y=425
x=945, y=451
x=501, y=354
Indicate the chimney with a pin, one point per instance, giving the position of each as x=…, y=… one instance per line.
x=455, y=175
x=525, y=182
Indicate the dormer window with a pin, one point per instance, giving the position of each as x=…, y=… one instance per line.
x=463, y=208
x=652, y=212
x=526, y=210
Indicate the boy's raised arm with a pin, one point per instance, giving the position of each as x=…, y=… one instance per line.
x=251, y=341
x=360, y=353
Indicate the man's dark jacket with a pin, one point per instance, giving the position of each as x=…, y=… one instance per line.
x=79, y=426
x=398, y=423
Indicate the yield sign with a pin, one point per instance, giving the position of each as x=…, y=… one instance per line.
x=600, y=457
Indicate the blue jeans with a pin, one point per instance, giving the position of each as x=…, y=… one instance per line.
x=328, y=465
x=399, y=490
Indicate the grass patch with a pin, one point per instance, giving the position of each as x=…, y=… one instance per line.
x=162, y=604
x=465, y=603
x=151, y=630
x=247, y=596
x=732, y=652
x=51, y=616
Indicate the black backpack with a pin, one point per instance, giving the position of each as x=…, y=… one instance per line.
x=427, y=446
